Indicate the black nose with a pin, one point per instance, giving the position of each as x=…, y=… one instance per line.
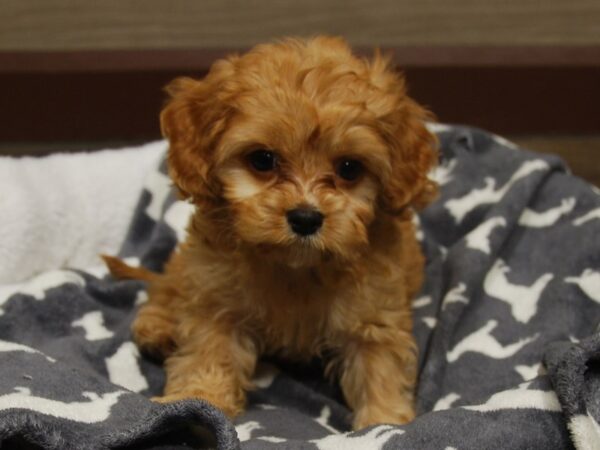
x=304, y=221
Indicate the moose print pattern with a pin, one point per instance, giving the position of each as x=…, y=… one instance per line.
x=506, y=323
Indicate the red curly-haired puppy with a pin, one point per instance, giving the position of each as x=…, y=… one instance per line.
x=304, y=163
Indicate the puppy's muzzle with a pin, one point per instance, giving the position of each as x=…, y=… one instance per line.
x=304, y=221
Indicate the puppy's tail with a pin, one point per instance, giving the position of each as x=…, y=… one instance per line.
x=122, y=271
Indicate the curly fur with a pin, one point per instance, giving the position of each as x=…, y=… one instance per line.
x=243, y=284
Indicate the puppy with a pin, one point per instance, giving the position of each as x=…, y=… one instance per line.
x=304, y=164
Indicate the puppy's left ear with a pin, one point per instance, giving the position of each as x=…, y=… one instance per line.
x=413, y=154
x=412, y=148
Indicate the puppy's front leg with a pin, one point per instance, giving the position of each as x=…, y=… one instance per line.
x=378, y=375
x=214, y=362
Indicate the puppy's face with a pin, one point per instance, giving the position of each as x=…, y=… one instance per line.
x=302, y=145
x=302, y=185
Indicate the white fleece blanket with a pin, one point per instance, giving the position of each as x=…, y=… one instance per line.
x=63, y=210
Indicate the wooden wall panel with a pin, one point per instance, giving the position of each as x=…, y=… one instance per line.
x=137, y=24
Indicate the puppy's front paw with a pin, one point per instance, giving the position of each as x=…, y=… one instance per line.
x=368, y=416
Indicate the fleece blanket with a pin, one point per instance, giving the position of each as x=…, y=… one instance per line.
x=506, y=325
x=60, y=211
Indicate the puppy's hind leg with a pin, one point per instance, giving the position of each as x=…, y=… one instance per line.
x=213, y=362
x=155, y=324
x=154, y=330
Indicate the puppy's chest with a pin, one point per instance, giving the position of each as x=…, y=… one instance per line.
x=293, y=316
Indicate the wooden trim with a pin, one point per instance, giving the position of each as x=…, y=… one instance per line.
x=148, y=24
x=200, y=59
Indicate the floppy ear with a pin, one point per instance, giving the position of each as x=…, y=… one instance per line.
x=414, y=155
x=193, y=121
x=413, y=149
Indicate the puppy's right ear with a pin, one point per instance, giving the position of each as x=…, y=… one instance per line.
x=193, y=121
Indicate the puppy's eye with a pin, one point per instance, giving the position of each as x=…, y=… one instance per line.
x=349, y=169
x=262, y=160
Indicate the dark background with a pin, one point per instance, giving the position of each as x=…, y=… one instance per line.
x=80, y=75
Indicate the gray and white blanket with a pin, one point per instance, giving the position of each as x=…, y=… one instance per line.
x=506, y=325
